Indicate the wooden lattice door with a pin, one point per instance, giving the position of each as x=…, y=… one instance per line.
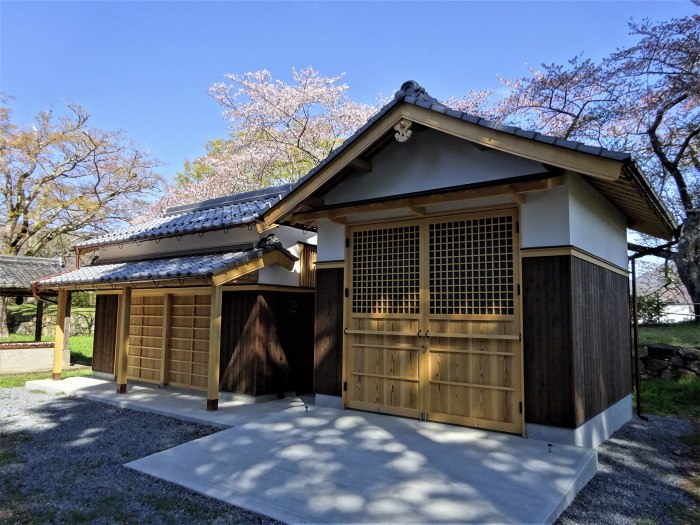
x=145, y=338
x=473, y=322
x=433, y=320
x=384, y=317
x=188, y=356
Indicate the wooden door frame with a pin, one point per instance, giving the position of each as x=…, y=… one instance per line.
x=424, y=286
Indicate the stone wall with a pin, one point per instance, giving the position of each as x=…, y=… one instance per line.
x=669, y=362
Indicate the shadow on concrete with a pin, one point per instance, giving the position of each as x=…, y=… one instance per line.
x=332, y=466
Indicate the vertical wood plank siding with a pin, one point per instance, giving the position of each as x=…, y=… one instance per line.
x=307, y=265
x=576, y=340
x=266, y=342
x=239, y=330
x=547, y=341
x=105, y=339
x=328, y=344
x=601, y=327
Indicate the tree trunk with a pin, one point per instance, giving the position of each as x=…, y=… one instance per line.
x=687, y=258
x=4, y=332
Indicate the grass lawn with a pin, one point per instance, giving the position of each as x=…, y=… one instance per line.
x=18, y=380
x=680, y=398
x=677, y=334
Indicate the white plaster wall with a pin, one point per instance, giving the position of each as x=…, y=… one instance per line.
x=429, y=160
x=278, y=275
x=595, y=225
x=331, y=241
x=574, y=214
x=213, y=239
x=544, y=218
x=290, y=237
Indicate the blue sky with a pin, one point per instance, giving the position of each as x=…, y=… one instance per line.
x=145, y=67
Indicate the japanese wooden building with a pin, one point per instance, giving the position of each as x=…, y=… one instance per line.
x=467, y=272
x=474, y=273
x=198, y=298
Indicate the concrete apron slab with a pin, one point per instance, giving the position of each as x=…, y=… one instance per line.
x=334, y=466
x=187, y=405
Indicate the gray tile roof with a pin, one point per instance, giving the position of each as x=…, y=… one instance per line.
x=215, y=214
x=18, y=272
x=175, y=267
x=413, y=93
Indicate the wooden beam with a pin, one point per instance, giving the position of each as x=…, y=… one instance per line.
x=361, y=165
x=517, y=197
x=340, y=162
x=262, y=227
x=479, y=136
x=274, y=257
x=123, y=329
x=59, y=340
x=214, y=349
x=426, y=200
x=587, y=164
x=235, y=273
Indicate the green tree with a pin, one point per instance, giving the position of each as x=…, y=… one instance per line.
x=60, y=177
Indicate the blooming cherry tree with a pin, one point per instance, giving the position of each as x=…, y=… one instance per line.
x=279, y=131
x=644, y=99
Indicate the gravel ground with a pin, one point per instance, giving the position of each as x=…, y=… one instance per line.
x=61, y=462
x=644, y=477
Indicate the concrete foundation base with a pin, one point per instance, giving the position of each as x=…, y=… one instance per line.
x=589, y=435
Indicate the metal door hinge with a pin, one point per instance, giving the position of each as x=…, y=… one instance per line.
x=517, y=227
x=347, y=242
x=345, y=386
x=520, y=407
x=518, y=289
x=347, y=293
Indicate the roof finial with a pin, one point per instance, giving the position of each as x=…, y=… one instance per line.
x=412, y=91
x=411, y=88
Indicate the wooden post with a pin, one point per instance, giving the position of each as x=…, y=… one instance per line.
x=66, y=329
x=60, y=334
x=39, y=325
x=214, y=349
x=123, y=337
x=117, y=338
x=165, y=339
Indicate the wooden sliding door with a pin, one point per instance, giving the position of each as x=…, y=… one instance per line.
x=433, y=320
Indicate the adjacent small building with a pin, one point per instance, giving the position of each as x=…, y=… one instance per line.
x=17, y=273
x=198, y=298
